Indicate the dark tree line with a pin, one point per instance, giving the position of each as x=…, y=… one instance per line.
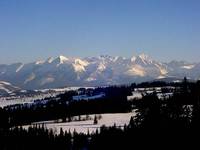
x=172, y=121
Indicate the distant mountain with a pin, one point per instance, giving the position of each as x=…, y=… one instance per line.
x=7, y=88
x=94, y=71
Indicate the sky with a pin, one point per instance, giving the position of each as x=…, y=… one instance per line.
x=37, y=29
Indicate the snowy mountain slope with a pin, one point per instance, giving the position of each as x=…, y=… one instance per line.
x=94, y=71
x=7, y=88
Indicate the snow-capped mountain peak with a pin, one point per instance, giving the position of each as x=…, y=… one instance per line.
x=81, y=62
x=143, y=56
x=61, y=59
x=141, y=59
x=79, y=65
x=133, y=58
x=50, y=60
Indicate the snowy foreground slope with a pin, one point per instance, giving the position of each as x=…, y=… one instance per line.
x=94, y=71
x=119, y=119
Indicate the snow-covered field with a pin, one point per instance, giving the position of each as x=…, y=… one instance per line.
x=38, y=95
x=86, y=97
x=119, y=119
x=12, y=100
x=139, y=92
x=65, y=89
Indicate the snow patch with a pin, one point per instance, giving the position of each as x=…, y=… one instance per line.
x=63, y=59
x=90, y=79
x=101, y=67
x=30, y=78
x=188, y=67
x=136, y=70
x=6, y=83
x=135, y=95
x=20, y=67
x=133, y=59
x=145, y=58
x=50, y=60
x=161, y=77
x=47, y=80
x=162, y=70
x=5, y=89
x=39, y=62
x=86, y=97
x=79, y=65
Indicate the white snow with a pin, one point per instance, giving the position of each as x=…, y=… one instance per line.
x=4, y=102
x=188, y=67
x=39, y=62
x=30, y=78
x=104, y=69
x=63, y=59
x=133, y=59
x=79, y=65
x=47, y=80
x=163, y=71
x=139, y=92
x=50, y=60
x=136, y=70
x=20, y=67
x=86, y=97
x=7, y=87
x=25, y=99
x=135, y=95
x=164, y=95
x=90, y=79
x=119, y=119
x=145, y=59
x=101, y=67
x=30, y=98
x=177, y=81
x=81, y=62
x=3, y=82
x=161, y=77
x=64, y=89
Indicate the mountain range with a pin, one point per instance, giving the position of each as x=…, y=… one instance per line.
x=94, y=71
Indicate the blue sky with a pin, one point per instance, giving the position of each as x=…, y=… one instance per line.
x=37, y=29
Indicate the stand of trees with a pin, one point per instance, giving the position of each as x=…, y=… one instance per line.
x=174, y=120
x=65, y=108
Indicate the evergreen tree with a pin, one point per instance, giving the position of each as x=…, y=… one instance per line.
x=95, y=120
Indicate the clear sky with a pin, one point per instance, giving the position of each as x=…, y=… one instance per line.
x=37, y=29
